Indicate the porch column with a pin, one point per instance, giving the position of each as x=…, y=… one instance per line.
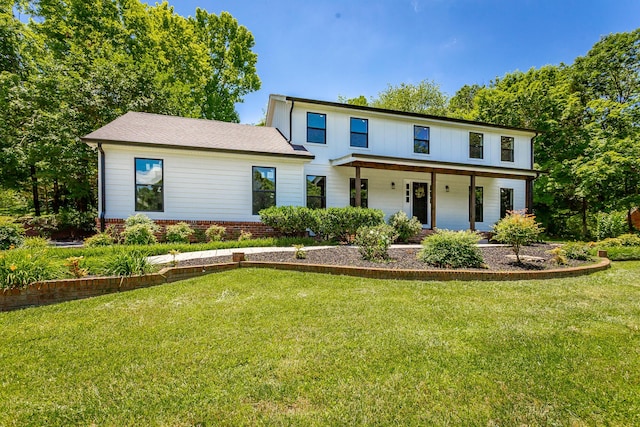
x=472, y=203
x=358, y=195
x=528, y=198
x=433, y=200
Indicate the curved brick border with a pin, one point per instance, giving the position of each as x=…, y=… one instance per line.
x=54, y=291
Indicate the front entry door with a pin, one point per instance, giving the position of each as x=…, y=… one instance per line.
x=421, y=201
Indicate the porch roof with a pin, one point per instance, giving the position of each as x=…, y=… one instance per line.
x=416, y=165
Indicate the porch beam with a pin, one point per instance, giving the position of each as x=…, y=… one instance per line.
x=433, y=200
x=358, y=192
x=529, y=195
x=472, y=203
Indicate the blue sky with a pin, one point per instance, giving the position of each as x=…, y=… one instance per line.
x=324, y=48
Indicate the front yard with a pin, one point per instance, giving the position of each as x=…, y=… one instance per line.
x=262, y=346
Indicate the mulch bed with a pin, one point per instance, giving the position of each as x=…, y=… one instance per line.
x=495, y=258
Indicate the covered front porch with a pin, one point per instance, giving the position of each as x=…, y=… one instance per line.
x=440, y=194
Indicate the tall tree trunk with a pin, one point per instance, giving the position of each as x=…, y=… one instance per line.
x=34, y=188
x=56, y=196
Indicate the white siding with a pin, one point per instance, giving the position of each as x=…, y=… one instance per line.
x=199, y=185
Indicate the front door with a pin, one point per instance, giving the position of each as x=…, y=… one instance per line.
x=421, y=201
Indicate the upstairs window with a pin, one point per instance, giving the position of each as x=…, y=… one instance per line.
x=506, y=148
x=359, y=132
x=316, y=191
x=317, y=128
x=149, y=185
x=264, y=188
x=506, y=201
x=476, y=145
x=421, y=139
x=364, y=192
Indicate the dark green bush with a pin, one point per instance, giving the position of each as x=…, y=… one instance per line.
x=373, y=242
x=611, y=224
x=406, y=228
x=452, y=249
x=288, y=220
x=179, y=233
x=342, y=223
x=11, y=234
x=71, y=218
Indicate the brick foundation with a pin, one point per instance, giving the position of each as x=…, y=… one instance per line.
x=234, y=228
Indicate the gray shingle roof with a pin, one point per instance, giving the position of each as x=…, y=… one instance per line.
x=135, y=128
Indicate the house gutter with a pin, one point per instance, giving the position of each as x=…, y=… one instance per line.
x=103, y=187
x=291, y=121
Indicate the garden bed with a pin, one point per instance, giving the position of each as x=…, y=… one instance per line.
x=496, y=258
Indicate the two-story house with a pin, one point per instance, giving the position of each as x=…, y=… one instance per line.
x=450, y=173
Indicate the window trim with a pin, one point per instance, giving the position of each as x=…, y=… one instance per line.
x=135, y=184
x=324, y=138
x=351, y=133
x=254, y=191
x=416, y=140
x=365, y=182
x=323, y=195
x=511, y=191
x=481, y=146
x=510, y=150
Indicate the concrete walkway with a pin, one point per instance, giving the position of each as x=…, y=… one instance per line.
x=166, y=259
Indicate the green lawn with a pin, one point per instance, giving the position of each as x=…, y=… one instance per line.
x=251, y=347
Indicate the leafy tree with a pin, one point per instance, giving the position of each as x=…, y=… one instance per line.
x=424, y=97
x=359, y=100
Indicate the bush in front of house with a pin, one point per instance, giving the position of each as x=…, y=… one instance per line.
x=452, y=249
x=215, y=233
x=19, y=268
x=342, y=223
x=127, y=263
x=373, y=242
x=139, y=229
x=179, y=233
x=99, y=239
x=517, y=229
x=11, y=234
x=576, y=251
x=288, y=220
x=406, y=228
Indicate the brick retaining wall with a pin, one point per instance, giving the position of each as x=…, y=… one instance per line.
x=54, y=291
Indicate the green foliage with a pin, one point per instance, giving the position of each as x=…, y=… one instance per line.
x=199, y=235
x=19, y=268
x=11, y=234
x=142, y=219
x=611, y=224
x=452, y=249
x=517, y=229
x=76, y=269
x=179, y=233
x=215, y=233
x=244, y=236
x=299, y=252
x=629, y=240
x=288, y=220
x=34, y=243
x=424, y=97
x=374, y=241
x=99, y=239
x=342, y=223
x=405, y=228
x=72, y=218
x=139, y=234
x=577, y=251
x=559, y=256
x=44, y=225
x=128, y=263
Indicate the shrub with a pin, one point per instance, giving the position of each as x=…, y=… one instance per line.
x=343, y=223
x=244, y=235
x=199, y=235
x=215, y=233
x=127, y=263
x=71, y=218
x=611, y=224
x=35, y=243
x=74, y=264
x=11, y=234
x=19, y=268
x=405, y=228
x=139, y=234
x=576, y=250
x=44, y=225
x=452, y=249
x=141, y=219
x=517, y=229
x=629, y=239
x=299, y=253
x=373, y=242
x=179, y=233
x=559, y=256
x=100, y=239
x=288, y=220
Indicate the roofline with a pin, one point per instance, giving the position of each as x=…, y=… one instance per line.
x=409, y=114
x=306, y=157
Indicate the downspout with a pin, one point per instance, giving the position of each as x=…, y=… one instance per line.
x=291, y=122
x=103, y=187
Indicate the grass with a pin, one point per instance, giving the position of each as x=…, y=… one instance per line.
x=251, y=347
